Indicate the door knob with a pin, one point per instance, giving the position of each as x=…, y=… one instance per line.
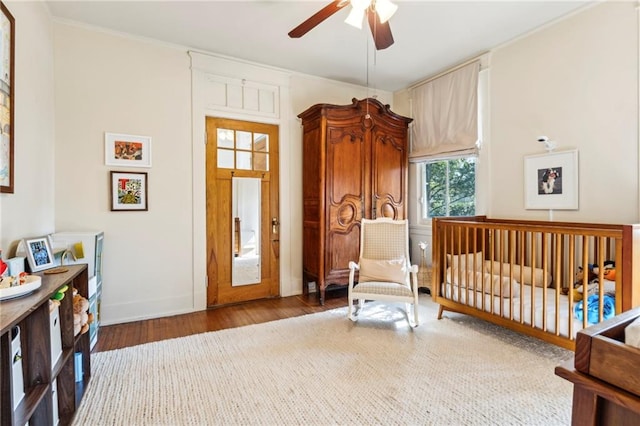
x=274, y=225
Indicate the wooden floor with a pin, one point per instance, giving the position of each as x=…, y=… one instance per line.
x=138, y=332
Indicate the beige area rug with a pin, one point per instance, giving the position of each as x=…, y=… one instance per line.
x=322, y=369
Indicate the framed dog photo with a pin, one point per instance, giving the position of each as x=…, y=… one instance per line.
x=551, y=181
x=39, y=254
x=127, y=150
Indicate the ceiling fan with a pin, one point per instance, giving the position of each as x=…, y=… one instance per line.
x=378, y=13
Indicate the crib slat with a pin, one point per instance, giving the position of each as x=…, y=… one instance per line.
x=572, y=273
x=585, y=282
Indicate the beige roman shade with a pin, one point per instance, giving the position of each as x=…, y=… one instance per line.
x=445, y=111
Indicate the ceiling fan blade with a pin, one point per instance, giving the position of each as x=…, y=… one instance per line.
x=317, y=18
x=381, y=32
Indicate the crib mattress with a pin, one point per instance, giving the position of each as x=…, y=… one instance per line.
x=528, y=308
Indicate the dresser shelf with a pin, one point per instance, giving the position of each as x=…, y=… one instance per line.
x=31, y=314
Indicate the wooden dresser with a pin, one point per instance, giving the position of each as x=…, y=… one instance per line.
x=44, y=367
x=355, y=162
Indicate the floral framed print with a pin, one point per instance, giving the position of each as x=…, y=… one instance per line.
x=7, y=66
x=39, y=254
x=127, y=150
x=128, y=191
x=551, y=181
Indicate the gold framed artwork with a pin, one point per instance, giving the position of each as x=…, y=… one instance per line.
x=7, y=66
x=127, y=150
x=128, y=191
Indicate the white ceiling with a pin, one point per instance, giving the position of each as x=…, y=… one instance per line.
x=429, y=35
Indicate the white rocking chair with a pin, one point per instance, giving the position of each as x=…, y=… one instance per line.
x=385, y=270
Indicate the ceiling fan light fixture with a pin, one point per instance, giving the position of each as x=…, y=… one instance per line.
x=385, y=9
x=361, y=4
x=355, y=18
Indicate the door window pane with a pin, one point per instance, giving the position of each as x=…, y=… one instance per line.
x=261, y=162
x=243, y=160
x=243, y=140
x=225, y=138
x=261, y=142
x=225, y=158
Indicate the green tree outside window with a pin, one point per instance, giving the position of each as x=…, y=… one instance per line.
x=450, y=188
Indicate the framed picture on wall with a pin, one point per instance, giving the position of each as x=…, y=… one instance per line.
x=127, y=150
x=128, y=191
x=39, y=254
x=7, y=121
x=551, y=181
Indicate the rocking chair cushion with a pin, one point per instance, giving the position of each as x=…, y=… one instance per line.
x=394, y=271
x=384, y=288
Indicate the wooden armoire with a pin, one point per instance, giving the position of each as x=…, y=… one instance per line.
x=355, y=161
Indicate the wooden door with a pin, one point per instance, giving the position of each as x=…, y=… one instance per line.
x=243, y=228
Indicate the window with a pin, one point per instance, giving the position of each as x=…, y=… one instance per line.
x=239, y=149
x=449, y=187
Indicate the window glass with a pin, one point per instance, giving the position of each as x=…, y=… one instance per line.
x=261, y=142
x=225, y=159
x=243, y=140
x=260, y=161
x=449, y=188
x=243, y=160
x=225, y=138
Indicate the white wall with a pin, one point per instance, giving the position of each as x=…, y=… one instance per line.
x=154, y=262
x=29, y=211
x=575, y=81
x=109, y=83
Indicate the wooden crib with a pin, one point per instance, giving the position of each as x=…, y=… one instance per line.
x=522, y=274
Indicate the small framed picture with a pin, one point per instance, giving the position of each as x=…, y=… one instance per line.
x=551, y=181
x=128, y=191
x=39, y=254
x=127, y=150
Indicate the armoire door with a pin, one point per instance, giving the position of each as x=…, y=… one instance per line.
x=346, y=174
x=243, y=228
x=389, y=172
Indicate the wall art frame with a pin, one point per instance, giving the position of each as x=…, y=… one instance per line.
x=127, y=150
x=551, y=181
x=129, y=191
x=39, y=254
x=7, y=95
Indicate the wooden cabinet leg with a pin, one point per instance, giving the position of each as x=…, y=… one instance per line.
x=584, y=409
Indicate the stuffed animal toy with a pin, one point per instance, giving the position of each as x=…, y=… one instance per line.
x=608, y=270
x=579, y=280
x=608, y=273
x=81, y=317
x=54, y=302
